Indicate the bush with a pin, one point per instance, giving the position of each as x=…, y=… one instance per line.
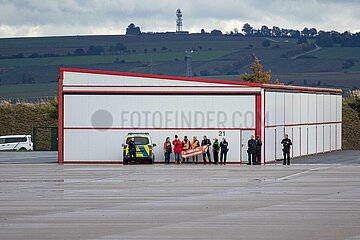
x=79, y=52
x=20, y=118
x=351, y=124
x=95, y=50
x=34, y=55
x=348, y=63
x=354, y=103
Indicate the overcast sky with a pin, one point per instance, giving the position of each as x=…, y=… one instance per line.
x=78, y=17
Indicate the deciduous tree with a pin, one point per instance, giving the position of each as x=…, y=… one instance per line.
x=258, y=75
x=247, y=29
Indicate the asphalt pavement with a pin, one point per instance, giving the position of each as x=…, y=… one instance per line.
x=314, y=198
x=35, y=157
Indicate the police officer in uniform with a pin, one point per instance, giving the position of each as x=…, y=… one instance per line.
x=286, y=142
x=224, y=149
x=258, y=149
x=252, y=150
x=132, y=149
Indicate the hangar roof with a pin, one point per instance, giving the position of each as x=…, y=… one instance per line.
x=202, y=81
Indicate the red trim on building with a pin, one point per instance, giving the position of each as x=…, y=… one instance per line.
x=203, y=80
x=301, y=89
x=120, y=162
x=258, y=125
x=60, y=119
x=258, y=103
x=264, y=137
x=150, y=86
x=165, y=92
x=307, y=141
x=176, y=78
x=302, y=124
x=258, y=115
x=120, y=128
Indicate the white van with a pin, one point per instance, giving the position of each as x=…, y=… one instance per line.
x=16, y=142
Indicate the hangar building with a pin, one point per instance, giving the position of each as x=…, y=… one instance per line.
x=98, y=108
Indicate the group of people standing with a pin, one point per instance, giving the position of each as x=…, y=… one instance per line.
x=183, y=145
x=254, y=149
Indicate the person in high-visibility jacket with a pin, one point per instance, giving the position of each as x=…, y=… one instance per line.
x=185, y=146
x=177, y=149
x=195, y=143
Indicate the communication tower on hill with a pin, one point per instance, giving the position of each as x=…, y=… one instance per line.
x=178, y=20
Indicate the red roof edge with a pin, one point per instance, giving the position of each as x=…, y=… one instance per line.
x=204, y=80
x=299, y=88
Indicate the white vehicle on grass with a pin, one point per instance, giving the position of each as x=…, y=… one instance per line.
x=16, y=142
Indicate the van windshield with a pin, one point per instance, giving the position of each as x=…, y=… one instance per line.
x=139, y=140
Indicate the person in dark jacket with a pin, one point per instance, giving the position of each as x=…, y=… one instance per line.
x=286, y=142
x=223, y=150
x=167, y=150
x=252, y=150
x=132, y=149
x=216, y=150
x=204, y=142
x=258, y=149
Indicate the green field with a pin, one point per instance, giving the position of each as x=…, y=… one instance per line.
x=355, y=68
x=216, y=56
x=85, y=60
x=337, y=53
x=49, y=42
x=20, y=91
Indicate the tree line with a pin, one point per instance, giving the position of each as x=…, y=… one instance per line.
x=323, y=38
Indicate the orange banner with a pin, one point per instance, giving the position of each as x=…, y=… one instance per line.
x=194, y=151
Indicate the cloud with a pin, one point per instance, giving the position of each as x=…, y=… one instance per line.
x=72, y=17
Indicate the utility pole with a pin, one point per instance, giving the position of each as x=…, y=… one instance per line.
x=188, y=57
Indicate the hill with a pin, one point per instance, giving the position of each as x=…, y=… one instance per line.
x=29, y=67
